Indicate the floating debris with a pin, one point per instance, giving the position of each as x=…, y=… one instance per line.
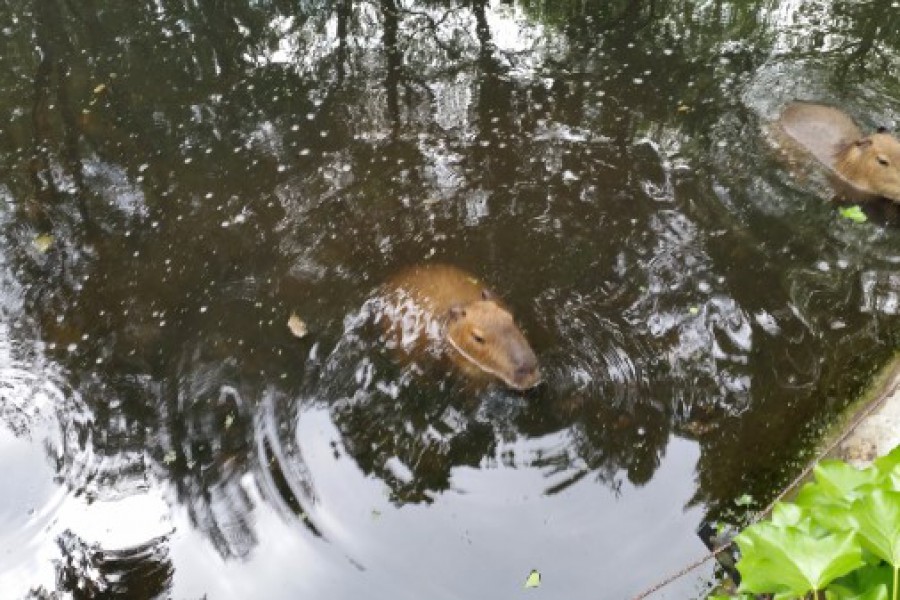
x=854, y=213
x=297, y=326
x=43, y=242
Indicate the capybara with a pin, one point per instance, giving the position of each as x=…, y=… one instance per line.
x=445, y=312
x=861, y=167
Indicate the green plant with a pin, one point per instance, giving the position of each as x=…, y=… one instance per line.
x=838, y=540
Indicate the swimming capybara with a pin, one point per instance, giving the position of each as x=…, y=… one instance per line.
x=445, y=312
x=861, y=167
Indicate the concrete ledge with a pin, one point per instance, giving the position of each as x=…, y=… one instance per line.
x=872, y=434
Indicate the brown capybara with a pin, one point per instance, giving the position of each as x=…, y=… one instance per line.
x=861, y=167
x=445, y=312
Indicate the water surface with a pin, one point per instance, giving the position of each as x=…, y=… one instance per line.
x=180, y=177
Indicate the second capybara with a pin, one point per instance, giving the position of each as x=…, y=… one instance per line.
x=861, y=167
x=443, y=311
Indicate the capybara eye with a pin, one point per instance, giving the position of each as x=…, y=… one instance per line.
x=478, y=337
x=883, y=161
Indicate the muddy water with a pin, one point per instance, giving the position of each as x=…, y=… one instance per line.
x=179, y=178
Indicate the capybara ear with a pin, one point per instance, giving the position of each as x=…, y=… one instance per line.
x=487, y=294
x=864, y=142
x=456, y=312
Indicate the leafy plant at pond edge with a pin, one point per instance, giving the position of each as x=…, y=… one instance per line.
x=838, y=540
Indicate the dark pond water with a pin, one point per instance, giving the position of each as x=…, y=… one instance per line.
x=178, y=178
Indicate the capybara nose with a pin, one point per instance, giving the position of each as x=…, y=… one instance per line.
x=527, y=376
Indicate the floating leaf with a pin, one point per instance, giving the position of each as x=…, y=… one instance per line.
x=746, y=499
x=169, y=457
x=854, y=213
x=100, y=88
x=534, y=579
x=43, y=242
x=297, y=326
x=790, y=561
x=229, y=420
x=694, y=310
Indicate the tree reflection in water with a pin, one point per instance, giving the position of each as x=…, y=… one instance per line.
x=205, y=168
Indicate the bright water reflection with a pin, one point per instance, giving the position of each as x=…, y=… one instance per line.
x=181, y=176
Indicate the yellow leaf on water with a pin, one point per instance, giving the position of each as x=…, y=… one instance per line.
x=100, y=88
x=297, y=326
x=43, y=242
x=534, y=579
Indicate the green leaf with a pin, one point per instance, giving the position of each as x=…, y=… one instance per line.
x=888, y=467
x=785, y=514
x=828, y=510
x=786, y=560
x=877, y=516
x=534, y=579
x=876, y=593
x=854, y=213
x=868, y=583
x=840, y=479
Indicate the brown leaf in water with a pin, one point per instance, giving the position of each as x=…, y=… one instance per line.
x=297, y=326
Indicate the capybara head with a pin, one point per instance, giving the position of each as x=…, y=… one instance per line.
x=872, y=164
x=484, y=333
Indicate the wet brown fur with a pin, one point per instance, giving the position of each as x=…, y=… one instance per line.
x=861, y=167
x=447, y=312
